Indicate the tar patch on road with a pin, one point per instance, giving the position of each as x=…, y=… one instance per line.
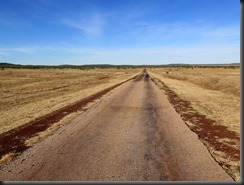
x=157, y=167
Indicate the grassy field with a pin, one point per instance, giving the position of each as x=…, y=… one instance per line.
x=213, y=92
x=27, y=94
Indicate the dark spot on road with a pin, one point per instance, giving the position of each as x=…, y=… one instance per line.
x=155, y=153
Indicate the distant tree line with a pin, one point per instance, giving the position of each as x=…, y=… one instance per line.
x=107, y=66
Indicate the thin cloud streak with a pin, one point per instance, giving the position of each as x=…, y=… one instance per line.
x=160, y=55
x=148, y=51
x=224, y=32
x=27, y=50
x=3, y=54
x=92, y=25
x=185, y=30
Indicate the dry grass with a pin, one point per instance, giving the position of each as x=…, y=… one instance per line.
x=220, y=79
x=28, y=94
x=214, y=92
x=216, y=100
x=6, y=158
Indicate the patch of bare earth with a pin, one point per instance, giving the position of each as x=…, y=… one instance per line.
x=17, y=140
x=222, y=143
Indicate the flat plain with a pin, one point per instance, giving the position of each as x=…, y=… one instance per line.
x=206, y=99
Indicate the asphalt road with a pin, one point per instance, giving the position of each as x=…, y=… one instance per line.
x=133, y=134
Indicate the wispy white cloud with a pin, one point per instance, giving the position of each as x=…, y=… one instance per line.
x=91, y=25
x=217, y=48
x=185, y=30
x=147, y=55
x=224, y=32
x=2, y=54
x=27, y=50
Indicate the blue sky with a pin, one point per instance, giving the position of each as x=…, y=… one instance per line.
x=53, y=32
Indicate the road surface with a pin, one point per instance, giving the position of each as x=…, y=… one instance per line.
x=133, y=134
